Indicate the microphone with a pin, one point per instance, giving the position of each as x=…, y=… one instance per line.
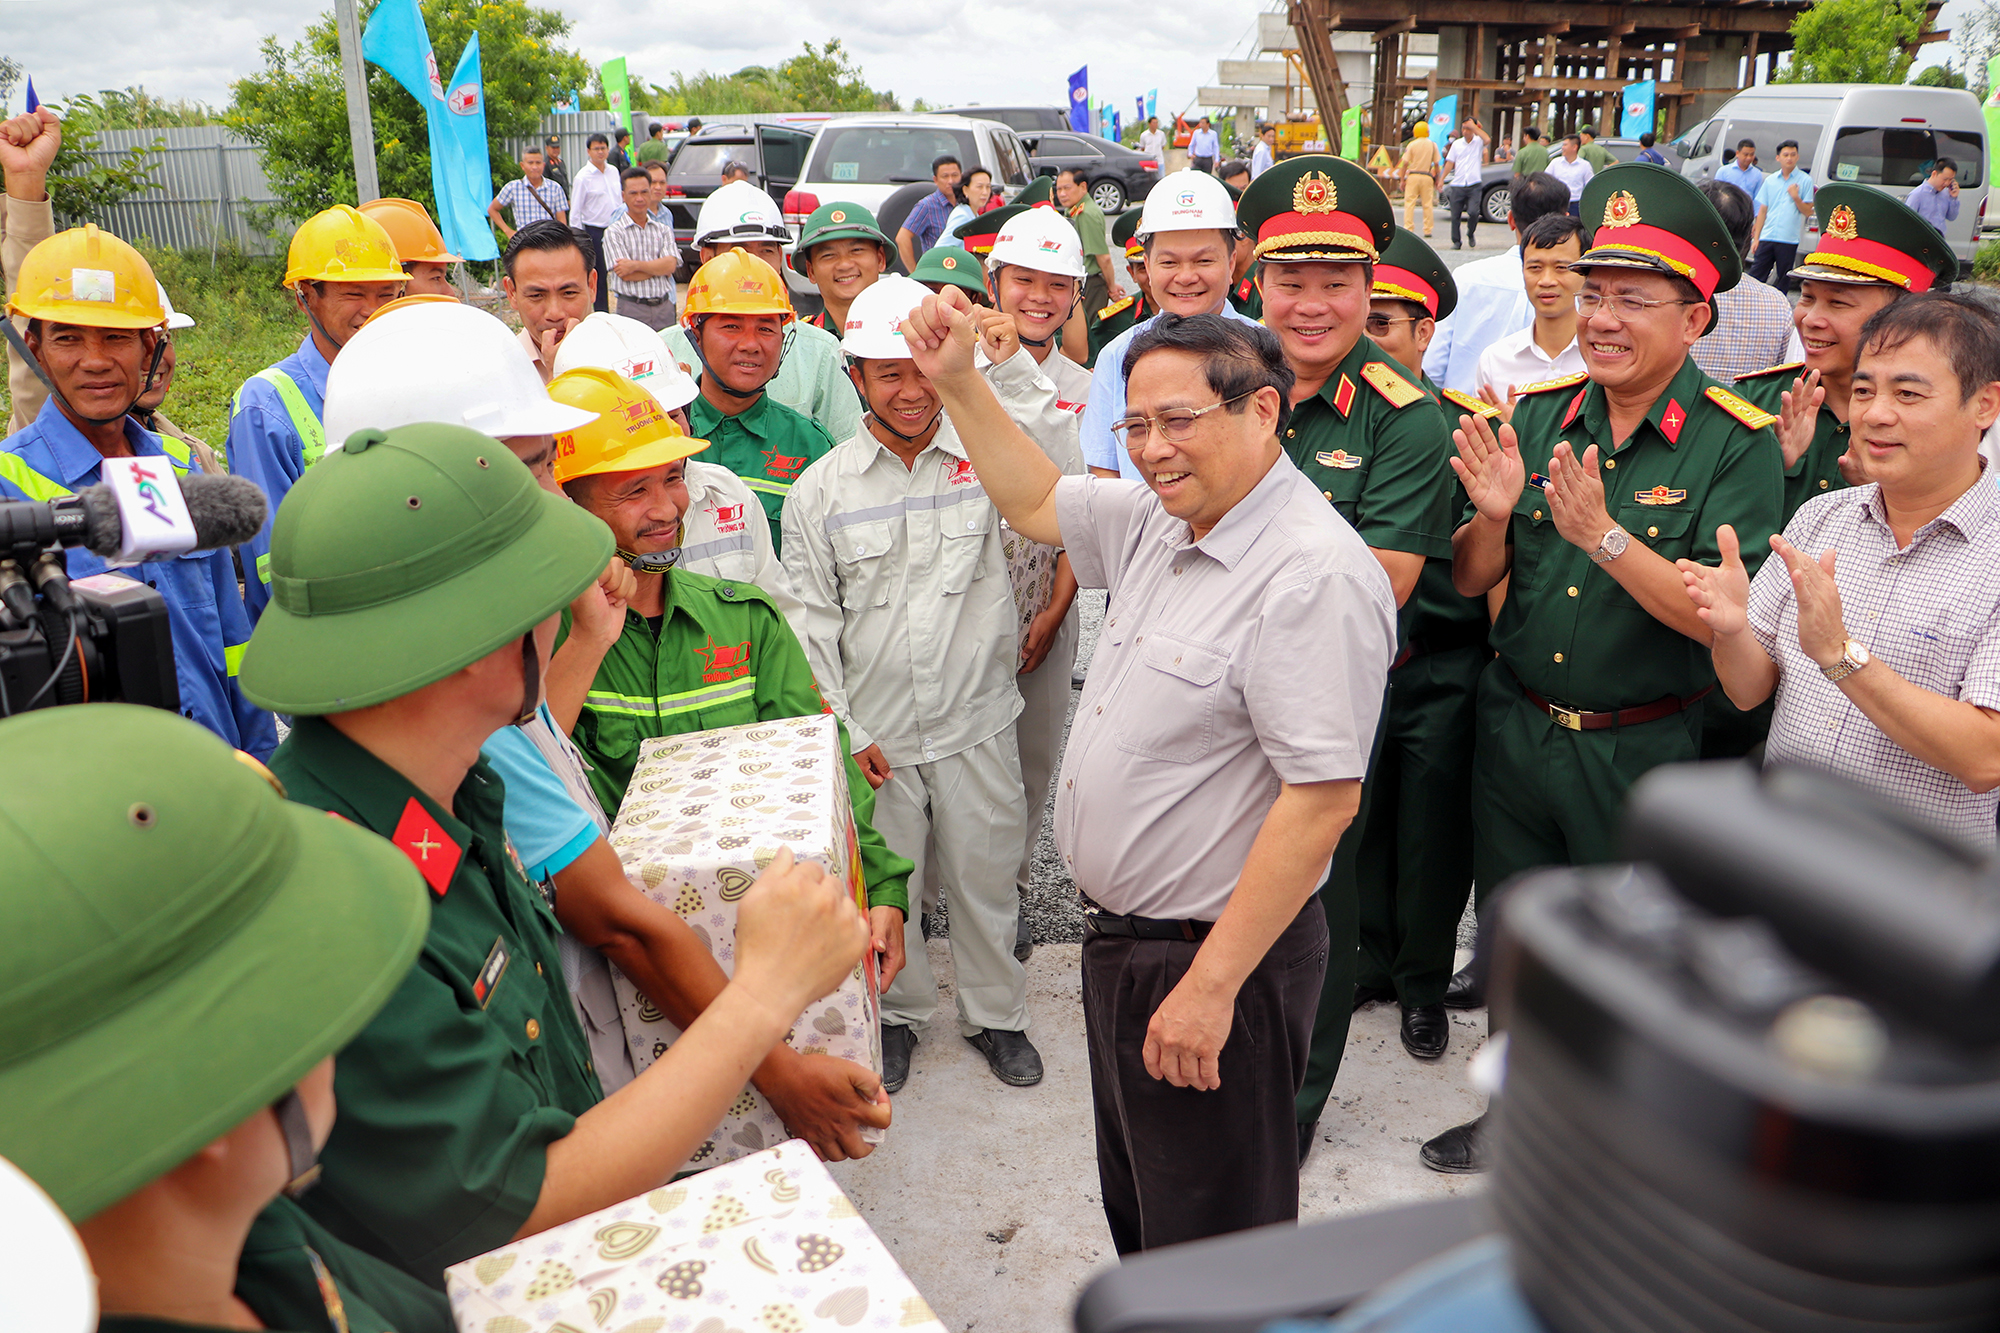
x=223, y=511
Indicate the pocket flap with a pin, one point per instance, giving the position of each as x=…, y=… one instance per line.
x=1650, y=524
x=859, y=541
x=1190, y=662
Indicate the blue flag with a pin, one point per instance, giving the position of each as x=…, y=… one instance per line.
x=465, y=122
x=397, y=40
x=1444, y=118
x=1117, y=128
x=1079, y=100
x=1139, y=109
x=1636, y=117
x=33, y=101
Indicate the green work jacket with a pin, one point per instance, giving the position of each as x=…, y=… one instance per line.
x=767, y=444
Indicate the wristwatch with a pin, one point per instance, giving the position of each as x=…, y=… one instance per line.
x=1616, y=539
x=1852, y=658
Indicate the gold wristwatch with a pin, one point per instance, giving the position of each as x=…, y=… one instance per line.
x=1852, y=658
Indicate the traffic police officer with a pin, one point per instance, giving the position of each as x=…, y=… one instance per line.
x=175, y=1084
x=94, y=325
x=419, y=246
x=841, y=251
x=1373, y=442
x=341, y=268
x=1584, y=504
x=740, y=326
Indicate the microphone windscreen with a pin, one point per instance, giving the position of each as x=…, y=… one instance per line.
x=227, y=511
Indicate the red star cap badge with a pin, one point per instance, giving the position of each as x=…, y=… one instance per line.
x=430, y=849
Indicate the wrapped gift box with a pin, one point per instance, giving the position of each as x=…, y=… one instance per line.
x=764, y=1244
x=702, y=817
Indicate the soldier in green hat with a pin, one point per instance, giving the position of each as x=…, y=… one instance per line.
x=1373, y=442
x=417, y=578
x=189, y=953
x=1583, y=504
x=1040, y=190
x=950, y=266
x=841, y=251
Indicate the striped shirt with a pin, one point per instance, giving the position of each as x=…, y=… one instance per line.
x=1930, y=611
x=648, y=241
x=533, y=203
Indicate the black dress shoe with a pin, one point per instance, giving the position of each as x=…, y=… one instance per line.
x=1307, y=1133
x=1459, y=1151
x=1024, y=947
x=1464, y=992
x=1426, y=1031
x=897, y=1043
x=1013, y=1058
x=1372, y=995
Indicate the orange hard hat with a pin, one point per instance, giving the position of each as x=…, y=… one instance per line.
x=417, y=239
x=631, y=432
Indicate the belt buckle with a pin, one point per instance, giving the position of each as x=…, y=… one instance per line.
x=1566, y=718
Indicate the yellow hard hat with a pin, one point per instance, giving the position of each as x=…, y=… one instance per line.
x=1422, y=131
x=632, y=432
x=405, y=302
x=736, y=282
x=89, y=277
x=411, y=231
x=341, y=244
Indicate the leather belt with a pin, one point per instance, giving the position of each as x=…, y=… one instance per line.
x=642, y=300
x=1575, y=719
x=1100, y=922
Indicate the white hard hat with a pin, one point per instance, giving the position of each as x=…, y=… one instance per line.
x=1038, y=238
x=622, y=344
x=1187, y=201
x=175, y=319
x=440, y=361
x=739, y=212
x=875, y=320
x=45, y=1278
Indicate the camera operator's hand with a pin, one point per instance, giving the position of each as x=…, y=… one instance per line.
x=1720, y=593
x=798, y=934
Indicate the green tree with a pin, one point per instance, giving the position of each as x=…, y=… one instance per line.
x=1855, y=41
x=826, y=79
x=1939, y=76
x=83, y=186
x=134, y=108
x=295, y=108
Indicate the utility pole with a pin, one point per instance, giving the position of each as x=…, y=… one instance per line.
x=360, y=126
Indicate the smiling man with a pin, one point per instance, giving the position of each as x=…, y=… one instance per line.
x=1546, y=349
x=550, y=280
x=1584, y=504
x=841, y=251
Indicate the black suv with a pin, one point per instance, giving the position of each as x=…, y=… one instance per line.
x=1023, y=120
x=775, y=155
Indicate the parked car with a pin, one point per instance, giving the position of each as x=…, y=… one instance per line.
x=1496, y=195
x=1117, y=175
x=1023, y=120
x=1856, y=133
x=774, y=153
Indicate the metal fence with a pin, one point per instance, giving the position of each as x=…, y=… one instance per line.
x=204, y=178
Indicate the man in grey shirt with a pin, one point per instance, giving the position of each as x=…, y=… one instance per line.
x=1215, y=758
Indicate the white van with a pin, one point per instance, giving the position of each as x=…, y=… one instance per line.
x=1883, y=135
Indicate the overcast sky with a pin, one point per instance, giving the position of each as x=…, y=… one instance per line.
x=946, y=51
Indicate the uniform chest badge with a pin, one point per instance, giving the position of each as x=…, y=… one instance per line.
x=958, y=472
x=781, y=466
x=1660, y=495
x=723, y=661
x=1339, y=458
x=729, y=518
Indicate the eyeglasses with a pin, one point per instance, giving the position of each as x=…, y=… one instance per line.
x=1621, y=307
x=1175, y=425
x=1379, y=324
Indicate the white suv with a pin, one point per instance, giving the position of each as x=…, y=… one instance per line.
x=869, y=160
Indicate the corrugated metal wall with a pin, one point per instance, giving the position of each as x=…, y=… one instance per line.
x=204, y=177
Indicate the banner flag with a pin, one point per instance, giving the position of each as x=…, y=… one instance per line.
x=397, y=40
x=617, y=93
x=1444, y=118
x=1079, y=100
x=1637, y=115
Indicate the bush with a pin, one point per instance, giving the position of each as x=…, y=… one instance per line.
x=1986, y=262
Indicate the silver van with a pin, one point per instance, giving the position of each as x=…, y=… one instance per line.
x=1884, y=135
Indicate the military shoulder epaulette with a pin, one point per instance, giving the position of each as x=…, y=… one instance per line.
x=1751, y=415
x=1789, y=368
x=1477, y=406
x=1383, y=379
x=1115, y=307
x=1560, y=382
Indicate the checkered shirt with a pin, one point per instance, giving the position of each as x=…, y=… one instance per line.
x=1753, y=331
x=531, y=204
x=1929, y=611
x=626, y=239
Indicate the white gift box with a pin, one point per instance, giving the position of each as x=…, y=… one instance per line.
x=1031, y=569
x=703, y=815
x=764, y=1244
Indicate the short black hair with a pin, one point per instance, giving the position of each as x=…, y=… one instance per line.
x=596, y=138
x=1741, y=144
x=549, y=235
x=1535, y=197
x=633, y=174
x=1738, y=213
x=1077, y=175
x=1963, y=330
x=654, y=165
x=1231, y=168
x=1237, y=358
x=656, y=129
x=1573, y=138
x=735, y=166
x=1550, y=230
x=1530, y=132
x=621, y=134
x=1944, y=164
x=1647, y=139
x=1591, y=130
x=942, y=158
x=1789, y=143
x=694, y=124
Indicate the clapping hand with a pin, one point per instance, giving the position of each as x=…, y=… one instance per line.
x=1798, y=416
x=1576, y=497
x=1489, y=466
x=1822, y=630
x=1720, y=593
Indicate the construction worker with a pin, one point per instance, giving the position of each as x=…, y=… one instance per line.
x=147, y=411
x=915, y=640
x=417, y=577
x=341, y=268
x=180, y=1086
x=738, y=325
x=841, y=251
x=726, y=533
x=978, y=236
x=808, y=378
x=419, y=246
x=94, y=317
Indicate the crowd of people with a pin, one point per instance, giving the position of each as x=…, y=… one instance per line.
x=1411, y=575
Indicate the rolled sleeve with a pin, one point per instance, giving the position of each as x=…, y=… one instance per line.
x=1322, y=734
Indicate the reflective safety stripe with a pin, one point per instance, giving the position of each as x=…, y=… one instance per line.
x=312, y=435
x=687, y=701
x=264, y=569
x=232, y=656
x=768, y=487
x=710, y=550
x=178, y=454
x=30, y=482
x=909, y=504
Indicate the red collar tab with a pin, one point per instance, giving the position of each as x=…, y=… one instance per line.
x=1575, y=406
x=1343, y=396
x=1672, y=420
x=430, y=849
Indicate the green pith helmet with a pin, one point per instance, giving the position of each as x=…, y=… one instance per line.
x=1410, y=270
x=836, y=221
x=979, y=234
x=404, y=556
x=1316, y=208
x=1125, y=232
x=950, y=264
x=1637, y=215
x=1040, y=190
x=1866, y=236
x=179, y=945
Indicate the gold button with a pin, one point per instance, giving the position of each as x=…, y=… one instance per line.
x=1611, y=462
x=1652, y=532
x=1289, y=433
x=1559, y=657
x=1822, y=483
x=1572, y=590
x=1327, y=494
x=1538, y=513
x=538, y=969
x=534, y=1029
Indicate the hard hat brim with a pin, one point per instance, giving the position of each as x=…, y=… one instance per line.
x=640, y=458
x=80, y=315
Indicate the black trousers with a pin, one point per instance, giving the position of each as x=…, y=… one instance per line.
x=603, y=271
x=1178, y=1164
x=1463, y=200
x=1772, y=262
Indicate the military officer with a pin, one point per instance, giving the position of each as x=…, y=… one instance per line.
x=1369, y=438
x=1583, y=504
x=841, y=251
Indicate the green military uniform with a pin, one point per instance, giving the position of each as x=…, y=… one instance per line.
x=1106, y=322
x=280, y=1278
x=767, y=444
x=720, y=656
x=1533, y=157
x=1094, y=234
x=1248, y=295
x=835, y=220
x=1374, y=444
x=1596, y=154
x=1619, y=691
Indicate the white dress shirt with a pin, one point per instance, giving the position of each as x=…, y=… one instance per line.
x=1575, y=174
x=1518, y=359
x=594, y=197
x=1492, y=303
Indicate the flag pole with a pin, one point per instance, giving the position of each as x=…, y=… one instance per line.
x=360, y=126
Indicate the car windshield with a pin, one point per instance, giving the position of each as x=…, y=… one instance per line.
x=886, y=154
x=1898, y=158
x=704, y=161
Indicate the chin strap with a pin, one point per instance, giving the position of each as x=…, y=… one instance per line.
x=1075, y=301
x=653, y=562
x=531, y=680
x=709, y=377
x=299, y=1149
x=929, y=426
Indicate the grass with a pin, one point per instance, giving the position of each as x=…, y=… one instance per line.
x=244, y=321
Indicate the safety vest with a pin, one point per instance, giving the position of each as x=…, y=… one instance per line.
x=35, y=486
x=312, y=435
